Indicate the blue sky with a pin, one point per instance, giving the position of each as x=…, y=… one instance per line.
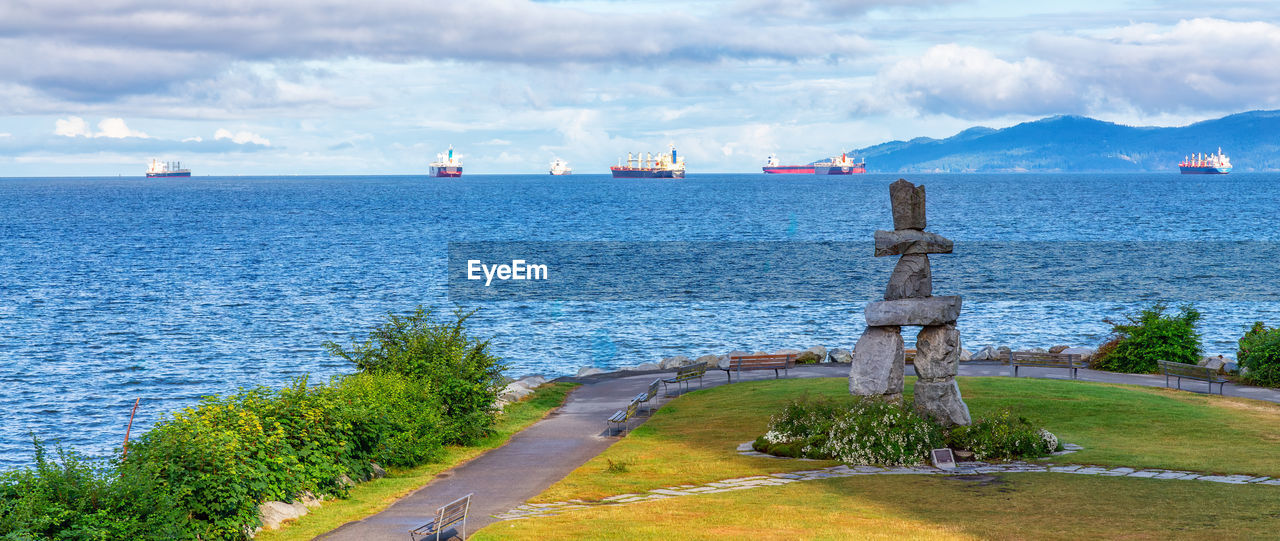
x=380, y=86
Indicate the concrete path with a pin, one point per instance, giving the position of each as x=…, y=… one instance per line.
x=534, y=459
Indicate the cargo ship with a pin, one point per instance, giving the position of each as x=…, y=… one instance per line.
x=447, y=165
x=839, y=166
x=772, y=166
x=167, y=169
x=1201, y=164
x=650, y=166
x=560, y=167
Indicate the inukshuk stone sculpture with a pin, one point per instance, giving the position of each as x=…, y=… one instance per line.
x=909, y=301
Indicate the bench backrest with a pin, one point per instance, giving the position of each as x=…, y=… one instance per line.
x=632, y=406
x=691, y=370
x=1184, y=369
x=1037, y=357
x=653, y=390
x=762, y=361
x=452, y=512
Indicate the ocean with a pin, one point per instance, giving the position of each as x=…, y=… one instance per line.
x=113, y=289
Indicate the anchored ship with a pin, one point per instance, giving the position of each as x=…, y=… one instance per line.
x=771, y=166
x=167, y=169
x=1202, y=164
x=560, y=167
x=650, y=166
x=447, y=165
x=839, y=166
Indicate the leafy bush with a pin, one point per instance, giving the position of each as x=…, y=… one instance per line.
x=1149, y=336
x=1259, y=354
x=457, y=368
x=862, y=431
x=395, y=420
x=1003, y=436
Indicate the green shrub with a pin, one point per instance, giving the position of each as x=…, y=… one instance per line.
x=1003, y=437
x=1259, y=355
x=457, y=368
x=1149, y=336
x=860, y=431
x=395, y=420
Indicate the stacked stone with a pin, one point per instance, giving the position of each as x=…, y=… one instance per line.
x=878, y=356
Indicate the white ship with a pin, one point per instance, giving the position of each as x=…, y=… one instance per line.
x=447, y=165
x=560, y=167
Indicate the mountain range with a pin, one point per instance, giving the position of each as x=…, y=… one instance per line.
x=1071, y=143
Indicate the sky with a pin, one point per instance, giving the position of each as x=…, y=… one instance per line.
x=248, y=87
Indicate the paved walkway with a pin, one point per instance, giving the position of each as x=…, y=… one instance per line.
x=506, y=477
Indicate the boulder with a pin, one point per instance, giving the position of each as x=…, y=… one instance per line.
x=941, y=401
x=311, y=501
x=1002, y=353
x=911, y=278
x=1230, y=368
x=987, y=353
x=911, y=241
x=1036, y=350
x=815, y=354
x=514, y=391
x=275, y=513
x=786, y=351
x=641, y=367
x=532, y=382
x=1058, y=349
x=1215, y=364
x=723, y=360
x=674, y=362
x=937, y=352
x=1084, y=353
x=840, y=355
x=965, y=355
x=922, y=312
x=907, y=201
x=376, y=471
x=589, y=371
x=877, y=363
x=711, y=360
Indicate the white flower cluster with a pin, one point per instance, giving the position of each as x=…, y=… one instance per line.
x=857, y=436
x=1049, y=439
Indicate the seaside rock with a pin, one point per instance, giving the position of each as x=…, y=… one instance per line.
x=877, y=362
x=786, y=351
x=937, y=352
x=840, y=355
x=710, y=359
x=275, y=513
x=907, y=201
x=965, y=355
x=1230, y=368
x=1037, y=350
x=532, y=382
x=815, y=354
x=641, y=367
x=987, y=353
x=1002, y=353
x=375, y=471
x=911, y=278
x=311, y=501
x=922, y=312
x=345, y=481
x=1058, y=349
x=589, y=371
x=674, y=362
x=514, y=391
x=1084, y=353
x=723, y=361
x=1215, y=364
x=911, y=241
x=941, y=401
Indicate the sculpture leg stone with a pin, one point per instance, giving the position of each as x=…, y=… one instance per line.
x=937, y=352
x=941, y=401
x=877, y=363
x=911, y=278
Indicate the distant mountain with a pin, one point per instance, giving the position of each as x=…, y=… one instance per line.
x=1076, y=143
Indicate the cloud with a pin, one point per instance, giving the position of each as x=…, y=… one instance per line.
x=241, y=137
x=972, y=82
x=808, y=9
x=72, y=127
x=116, y=128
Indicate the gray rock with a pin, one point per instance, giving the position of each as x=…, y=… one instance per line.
x=275, y=513
x=532, y=382
x=1037, y=350
x=815, y=354
x=710, y=359
x=514, y=391
x=877, y=362
x=1058, y=349
x=345, y=481
x=674, y=362
x=911, y=278
x=923, y=312
x=910, y=241
x=723, y=361
x=1002, y=353
x=987, y=353
x=1214, y=363
x=785, y=351
x=376, y=471
x=1230, y=368
x=640, y=367
x=937, y=352
x=1084, y=353
x=589, y=371
x=965, y=355
x=907, y=201
x=311, y=501
x=941, y=401
x=840, y=355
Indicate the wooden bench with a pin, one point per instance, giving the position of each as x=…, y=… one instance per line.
x=645, y=397
x=738, y=363
x=622, y=416
x=448, y=515
x=1070, y=361
x=684, y=374
x=1191, y=371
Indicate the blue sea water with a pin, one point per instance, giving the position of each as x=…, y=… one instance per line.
x=113, y=289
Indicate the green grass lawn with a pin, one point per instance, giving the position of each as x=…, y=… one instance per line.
x=692, y=440
x=368, y=498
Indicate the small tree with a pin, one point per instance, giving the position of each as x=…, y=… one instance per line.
x=1259, y=354
x=457, y=368
x=1149, y=336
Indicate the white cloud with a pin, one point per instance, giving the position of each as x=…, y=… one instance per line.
x=196, y=139
x=72, y=126
x=241, y=137
x=971, y=82
x=116, y=128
